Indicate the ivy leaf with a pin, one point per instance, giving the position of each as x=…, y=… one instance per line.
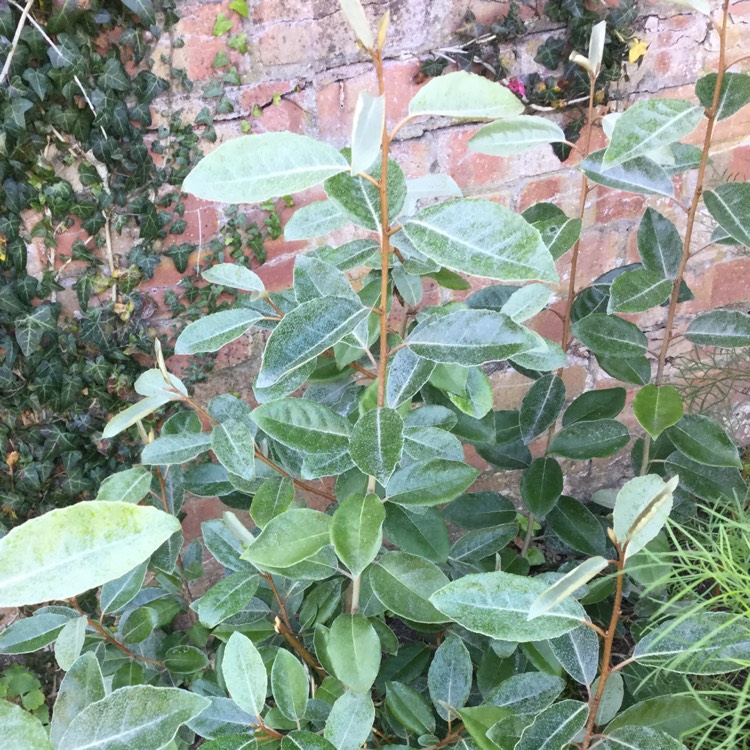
x=142, y=8
x=113, y=76
x=239, y=6
x=222, y=25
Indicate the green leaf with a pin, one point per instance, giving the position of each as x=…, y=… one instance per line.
x=575, y=525
x=359, y=199
x=210, y=333
x=404, y=583
x=635, y=370
x=707, y=482
x=367, y=131
x=252, y=169
x=239, y=6
x=430, y=482
x=303, y=740
x=481, y=238
x=674, y=714
x=409, y=708
x=273, y=497
x=419, y=531
x=466, y=96
x=354, y=13
x=136, y=716
x=153, y=383
x=641, y=510
x=81, y=686
x=449, y=677
x=703, y=643
x=114, y=595
x=176, y=449
x=233, y=445
x=315, y=220
x=32, y=633
x=70, y=642
x=226, y=598
x=578, y=652
x=606, y=403
x=541, y=486
x=377, y=442
x=703, y=440
x=469, y=338
x=641, y=175
x=649, y=125
x=306, y=332
x=526, y=693
x=515, y=135
x=600, y=438
x=611, y=698
x=222, y=25
x=234, y=276
x=245, y=674
x=724, y=328
x=350, y=721
x=290, y=538
x=139, y=624
x=657, y=407
x=498, y=604
x=131, y=415
x=481, y=543
x=357, y=531
x=406, y=375
x=610, y=336
x=527, y=302
x=21, y=730
x=729, y=204
x=478, y=510
x=637, y=291
x=70, y=550
x=129, y=486
x=422, y=443
x=354, y=652
x=541, y=406
x=566, y=586
x=302, y=424
x=639, y=738
x=428, y=187
x=289, y=685
x=478, y=720
x=555, y=727
x=659, y=244
x=734, y=95
x=185, y=660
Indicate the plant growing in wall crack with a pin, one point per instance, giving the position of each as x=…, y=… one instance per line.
x=368, y=623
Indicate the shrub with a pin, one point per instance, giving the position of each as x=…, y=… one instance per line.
x=369, y=622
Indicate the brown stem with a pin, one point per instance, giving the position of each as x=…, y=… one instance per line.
x=606, y=665
x=104, y=633
x=565, y=339
x=385, y=237
x=282, y=629
x=691, y=219
x=275, y=307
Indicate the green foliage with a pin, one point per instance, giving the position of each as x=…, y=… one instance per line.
x=406, y=607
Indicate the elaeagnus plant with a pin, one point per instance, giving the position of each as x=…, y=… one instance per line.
x=406, y=613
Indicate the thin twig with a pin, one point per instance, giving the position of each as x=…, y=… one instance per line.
x=16, y=37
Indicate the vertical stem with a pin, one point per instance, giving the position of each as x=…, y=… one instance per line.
x=692, y=213
x=529, y=534
x=356, y=587
x=385, y=238
x=565, y=340
x=606, y=666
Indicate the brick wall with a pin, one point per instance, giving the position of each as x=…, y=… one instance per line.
x=303, y=51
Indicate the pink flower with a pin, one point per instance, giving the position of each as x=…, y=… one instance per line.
x=517, y=86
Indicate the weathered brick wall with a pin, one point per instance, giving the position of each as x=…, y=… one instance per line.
x=303, y=51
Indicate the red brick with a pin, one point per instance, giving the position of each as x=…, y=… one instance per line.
x=612, y=205
x=731, y=284
x=288, y=44
x=413, y=156
x=277, y=274
x=541, y=190
x=198, y=54
x=199, y=17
